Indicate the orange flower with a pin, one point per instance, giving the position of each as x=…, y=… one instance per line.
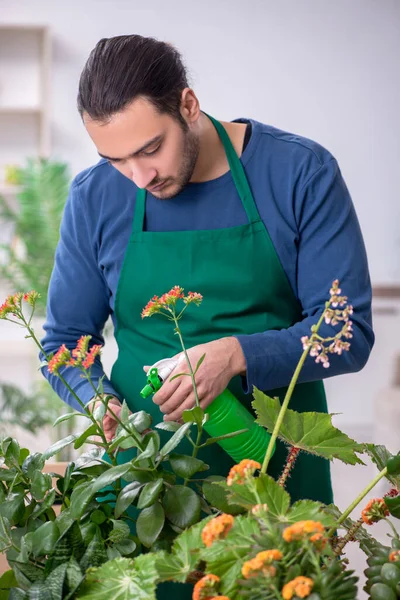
x=375, y=510
x=239, y=472
x=298, y=530
x=205, y=587
x=300, y=586
x=194, y=297
x=91, y=355
x=61, y=358
x=31, y=297
x=216, y=529
x=261, y=563
x=81, y=347
x=394, y=556
x=152, y=307
x=319, y=540
x=7, y=307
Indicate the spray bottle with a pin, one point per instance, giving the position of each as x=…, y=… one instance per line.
x=226, y=415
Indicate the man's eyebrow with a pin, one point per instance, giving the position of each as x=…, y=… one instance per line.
x=151, y=142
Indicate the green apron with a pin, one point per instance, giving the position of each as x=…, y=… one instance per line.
x=245, y=290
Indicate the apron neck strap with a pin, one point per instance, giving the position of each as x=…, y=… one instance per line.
x=238, y=175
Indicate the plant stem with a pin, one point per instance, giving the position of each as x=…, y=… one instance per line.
x=178, y=331
x=291, y=459
x=287, y=398
x=347, y=538
x=389, y=522
x=357, y=501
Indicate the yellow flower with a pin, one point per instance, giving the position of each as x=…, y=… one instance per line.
x=239, y=472
x=217, y=528
x=300, y=586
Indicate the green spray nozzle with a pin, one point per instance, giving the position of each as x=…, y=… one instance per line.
x=157, y=374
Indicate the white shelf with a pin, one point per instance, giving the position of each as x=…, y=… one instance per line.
x=20, y=110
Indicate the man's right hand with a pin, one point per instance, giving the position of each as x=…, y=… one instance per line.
x=109, y=423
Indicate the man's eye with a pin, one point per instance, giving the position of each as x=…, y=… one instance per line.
x=149, y=153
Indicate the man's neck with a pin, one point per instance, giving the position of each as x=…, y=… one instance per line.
x=212, y=162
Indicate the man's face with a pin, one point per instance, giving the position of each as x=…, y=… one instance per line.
x=154, y=150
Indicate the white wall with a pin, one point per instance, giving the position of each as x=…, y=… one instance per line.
x=326, y=70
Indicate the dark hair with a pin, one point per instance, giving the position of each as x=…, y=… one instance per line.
x=120, y=69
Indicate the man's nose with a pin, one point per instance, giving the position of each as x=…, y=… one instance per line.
x=142, y=176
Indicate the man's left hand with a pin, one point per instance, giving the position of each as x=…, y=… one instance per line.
x=224, y=359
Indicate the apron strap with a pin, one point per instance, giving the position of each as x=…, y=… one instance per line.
x=239, y=178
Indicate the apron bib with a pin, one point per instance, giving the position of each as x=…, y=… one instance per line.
x=245, y=290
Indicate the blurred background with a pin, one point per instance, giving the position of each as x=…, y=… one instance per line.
x=325, y=70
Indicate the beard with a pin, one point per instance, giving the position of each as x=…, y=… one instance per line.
x=190, y=153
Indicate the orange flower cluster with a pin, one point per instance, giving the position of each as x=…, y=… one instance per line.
x=319, y=540
x=239, y=472
x=300, y=587
x=81, y=356
x=156, y=304
x=299, y=530
x=217, y=529
x=13, y=302
x=394, y=556
x=205, y=588
x=375, y=510
x=261, y=564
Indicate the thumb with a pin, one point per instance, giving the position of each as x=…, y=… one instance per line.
x=146, y=368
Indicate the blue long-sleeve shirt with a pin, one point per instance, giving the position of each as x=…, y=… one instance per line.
x=307, y=210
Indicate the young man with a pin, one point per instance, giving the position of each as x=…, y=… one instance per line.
x=257, y=220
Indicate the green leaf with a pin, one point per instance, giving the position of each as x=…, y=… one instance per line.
x=179, y=375
x=168, y=426
x=32, y=463
x=150, y=493
x=24, y=453
x=44, y=538
x=266, y=491
x=225, y=557
x=150, y=523
x=67, y=417
x=217, y=496
x=140, y=420
x=40, y=591
x=14, y=508
x=13, y=451
x=47, y=503
x=380, y=456
x=29, y=572
x=55, y=448
x=182, y=506
x=193, y=415
x=126, y=547
x=308, y=510
x=92, y=430
x=95, y=554
x=310, y=431
x=186, y=466
x=55, y=582
x=80, y=499
x=184, y=556
x=122, y=579
x=119, y=532
x=199, y=363
x=110, y=476
x=176, y=438
x=213, y=440
x=7, y=581
x=151, y=448
x=126, y=496
x=365, y=539
x=393, y=465
x=5, y=534
x=393, y=505
x=41, y=483
x=17, y=594
x=99, y=412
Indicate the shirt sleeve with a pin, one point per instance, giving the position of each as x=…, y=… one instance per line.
x=78, y=302
x=330, y=246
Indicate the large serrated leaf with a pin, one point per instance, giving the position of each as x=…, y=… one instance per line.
x=121, y=579
x=217, y=495
x=225, y=557
x=380, y=455
x=184, y=556
x=308, y=510
x=312, y=432
x=265, y=490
